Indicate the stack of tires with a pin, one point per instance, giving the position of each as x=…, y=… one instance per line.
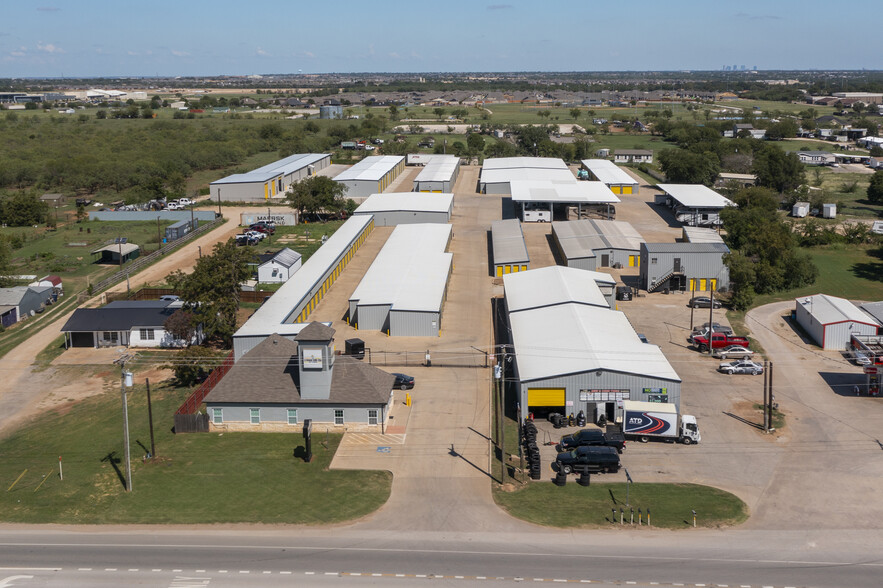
x=558, y=421
x=531, y=449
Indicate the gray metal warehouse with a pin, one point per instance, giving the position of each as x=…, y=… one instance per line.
x=693, y=204
x=372, y=175
x=399, y=208
x=270, y=181
x=700, y=235
x=544, y=200
x=403, y=291
x=830, y=321
x=288, y=309
x=439, y=175
x=551, y=286
x=497, y=173
x=610, y=174
x=509, y=250
x=572, y=357
x=684, y=266
x=590, y=244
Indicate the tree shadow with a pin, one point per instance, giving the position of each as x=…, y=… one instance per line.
x=871, y=271
x=114, y=461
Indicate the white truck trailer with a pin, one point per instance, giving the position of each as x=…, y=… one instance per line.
x=653, y=420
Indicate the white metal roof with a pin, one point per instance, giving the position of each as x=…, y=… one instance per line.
x=498, y=176
x=550, y=286
x=372, y=168
x=580, y=238
x=266, y=173
x=494, y=163
x=701, y=235
x=570, y=192
x=572, y=338
x=276, y=310
x=695, y=195
x=608, y=172
x=285, y=257
x=411, y=271
x=830, y=309
x=406, y=202
x=507, y=239
x=441, y=168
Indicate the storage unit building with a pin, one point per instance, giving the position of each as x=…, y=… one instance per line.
x=404, y=290
x=439, y=175
x=609, y=173
x=693, y=204
x=540, y=200
x=371, y=175
x=830, y=321
x=590, y=244
x=498, y=173
x=270, y=181
x=684, y=266
x=399, y=208
x=551, y=286
x=509, y=249
x=290, y=306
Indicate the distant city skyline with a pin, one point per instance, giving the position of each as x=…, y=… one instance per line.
x=94, y=38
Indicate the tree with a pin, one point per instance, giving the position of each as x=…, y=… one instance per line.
x=475, y=144
x=317, y=193
x=574, y=113
x=181, y=325
x=21, y=209
x=439, y=112
x=5, y=267
x=876, y=151
x=688, y=167
x=191, y=365
x=875, y=188
x=393, y=112
x=211, y=292
x=776, y=169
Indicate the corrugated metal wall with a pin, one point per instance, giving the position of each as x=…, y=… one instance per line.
x=603, y=381
x=414, y=324
x=695, y=265
x=372, y=317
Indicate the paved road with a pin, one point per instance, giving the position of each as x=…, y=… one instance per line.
x=308, y=556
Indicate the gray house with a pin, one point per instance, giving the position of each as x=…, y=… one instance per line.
x=21, y=301
x=684, y=266
x=133, y=323
x=280, y=382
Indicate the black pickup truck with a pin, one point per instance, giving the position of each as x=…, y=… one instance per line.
x=612, y=437
x=589, y=460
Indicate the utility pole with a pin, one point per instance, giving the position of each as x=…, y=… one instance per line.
x=692, y=307
x=766, y=375
x=711, y=320
x=219, y=202
x=150, y=420
x=122, y=363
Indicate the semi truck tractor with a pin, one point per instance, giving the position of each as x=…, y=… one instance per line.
x=653, y=420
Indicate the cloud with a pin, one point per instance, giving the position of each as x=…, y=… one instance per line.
x=48, y=9
x=746, y=16
x=395, y=55
x=261, y=53
x=309, y=54
x=17, y=53
x=178, y=53
x=499, y=6
x=48, y=48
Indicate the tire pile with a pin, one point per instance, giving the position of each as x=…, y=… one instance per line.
x=531, y=449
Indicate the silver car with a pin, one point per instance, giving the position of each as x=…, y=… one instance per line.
x=734, y=351
x=741, y=366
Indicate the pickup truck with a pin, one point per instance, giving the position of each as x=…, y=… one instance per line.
x=590, y=437
x=718, y=340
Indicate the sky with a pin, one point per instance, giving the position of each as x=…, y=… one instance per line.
x=92, y=38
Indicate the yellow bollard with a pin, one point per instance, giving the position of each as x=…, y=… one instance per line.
x=17, y=479
x=46, y=477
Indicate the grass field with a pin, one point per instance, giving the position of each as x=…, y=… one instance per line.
x=574, y=506
x=195, y=479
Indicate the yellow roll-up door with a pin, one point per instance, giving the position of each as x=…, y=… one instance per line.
x=499, y=270
x=545, y=396
x=702, y=284
x=692, y=284
x=631, y=261
x=524, y=268
x=713, y=284
x=616, y=189
x=626, y=189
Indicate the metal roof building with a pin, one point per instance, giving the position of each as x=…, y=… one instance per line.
x=439, y=175
x=493, y=163
x=701, y=235
x=684, y=266
x=830, y=320
x=604, y=170
x=509, y=249
x=398, y=208
x=874, y=310
x=590, y=244
x=538, y=199
x=403, y=291
x=573, y=357
x=290, y=306
x=497, y=173
x=278, y=267
x=551, y=286
x=270, y=181
x=371, y=175
x=693, y=204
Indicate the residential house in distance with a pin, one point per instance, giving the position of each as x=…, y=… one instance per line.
x=19, y=302
x=633, y=156
x=816, y=157
x=131, y=323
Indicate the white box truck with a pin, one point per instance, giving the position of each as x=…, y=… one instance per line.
x=653, y=420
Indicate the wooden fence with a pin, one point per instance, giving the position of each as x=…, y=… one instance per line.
x=190, y=409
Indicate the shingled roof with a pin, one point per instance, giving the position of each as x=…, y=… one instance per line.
x=315, y=331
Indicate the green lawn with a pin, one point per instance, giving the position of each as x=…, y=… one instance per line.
x=573, y=505
x=195, y=478
x=307, y=236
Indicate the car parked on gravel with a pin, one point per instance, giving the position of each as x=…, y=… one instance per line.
x=404, y=381
x=703, y=302
x=589, y=437
x=734, y=351
x=741, y=366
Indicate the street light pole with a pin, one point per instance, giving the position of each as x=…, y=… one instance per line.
x=122, y=362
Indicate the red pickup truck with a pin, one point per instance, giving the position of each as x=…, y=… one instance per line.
x=718, y=341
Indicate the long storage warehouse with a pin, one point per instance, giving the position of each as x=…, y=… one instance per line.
x=551, y=286
x=404, y=290
x=539, y=200
x=439, y=175
x=497, y=173
x=287, y=310
x=573, y=357
x=270, y=181
x=371, y=175
x=399, y=208
x=610, y=174
x=509, y=249
x=590, y=244
x=830, y=321
x=693, y=204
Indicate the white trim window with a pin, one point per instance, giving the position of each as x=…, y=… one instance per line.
x=254, y=415
x=217, y=416
x=372, y=416
x=292, y=416
x=338, y=416
x=146, y=334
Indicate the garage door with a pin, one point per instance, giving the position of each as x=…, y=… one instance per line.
x=82, y=340
x=545, y=396
x=626, y=189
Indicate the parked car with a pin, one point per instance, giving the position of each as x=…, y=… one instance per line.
x=716, y=327
x=643, y=338
x=256, y=234
x=262, y=227
x=734, y=351
x=404, y=382
x=173, y=205
x=370, y=147
x=377, y=141
x=247, y=239
x=623, y=293
x=184, y=202
x=589, y=437
x=170, y=297
x=741, y=366
x=860, y=358
x=718, y=341
x=703, y=302
x=587, y=459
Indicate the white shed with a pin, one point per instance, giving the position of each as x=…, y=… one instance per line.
x=277, y=268
x=829, y=210
x=830, y=321
x=800, y=209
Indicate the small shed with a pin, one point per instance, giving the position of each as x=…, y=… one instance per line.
x=800, y=209
x=118, y=253
x=831, y=321
x=829, y=210
x=276, y=268
x=53, y=199
x=180, y=228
